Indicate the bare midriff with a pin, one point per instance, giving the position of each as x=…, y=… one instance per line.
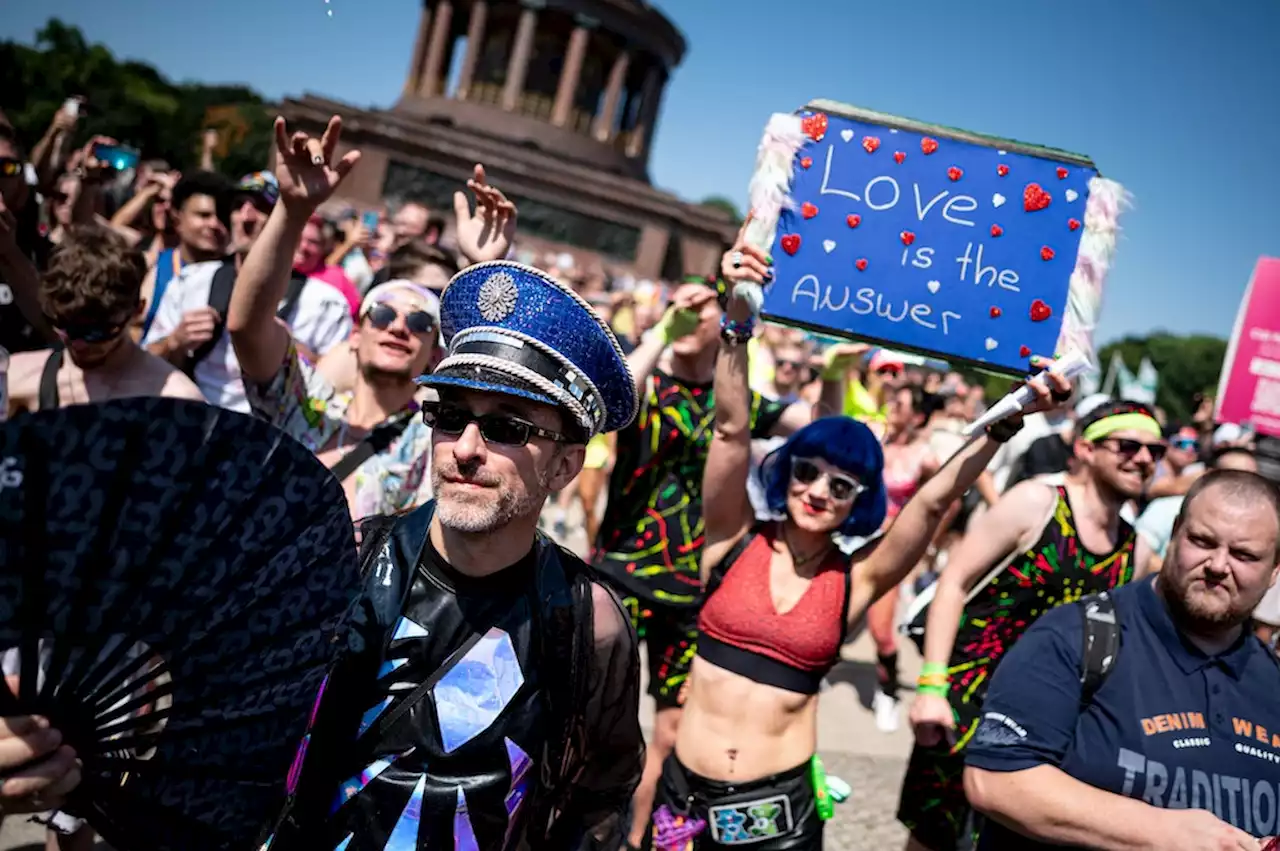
x=735, y=729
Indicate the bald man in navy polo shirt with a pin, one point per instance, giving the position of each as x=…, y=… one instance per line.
x=1179, y=747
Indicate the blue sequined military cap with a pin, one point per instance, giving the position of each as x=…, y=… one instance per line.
x=512, y=329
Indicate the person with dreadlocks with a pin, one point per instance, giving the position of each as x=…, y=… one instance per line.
x=1038, y=547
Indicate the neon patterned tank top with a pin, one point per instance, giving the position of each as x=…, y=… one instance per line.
x=1056, y=570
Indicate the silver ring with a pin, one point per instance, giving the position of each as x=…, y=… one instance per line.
x=736, y=259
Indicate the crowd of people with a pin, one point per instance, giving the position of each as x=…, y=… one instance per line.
x=1088, y=583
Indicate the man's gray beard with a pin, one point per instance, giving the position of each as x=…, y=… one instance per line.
x=477, y=519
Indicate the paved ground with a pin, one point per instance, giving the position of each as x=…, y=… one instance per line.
x=851, y=746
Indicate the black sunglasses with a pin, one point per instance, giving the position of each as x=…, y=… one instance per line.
x=9, y=167
x=381, y=316
x=89, y=332
x=494, y=428
x=806, y=472
x=1129, y=448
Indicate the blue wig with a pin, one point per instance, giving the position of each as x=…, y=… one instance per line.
x=844, y=443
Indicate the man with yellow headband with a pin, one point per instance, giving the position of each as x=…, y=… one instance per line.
x=1038, y=547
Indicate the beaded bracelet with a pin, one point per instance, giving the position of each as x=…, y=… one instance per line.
x=733, y=331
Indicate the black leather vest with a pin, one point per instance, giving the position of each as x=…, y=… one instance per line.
x=452, y=721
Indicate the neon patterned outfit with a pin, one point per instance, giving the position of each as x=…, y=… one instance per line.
x=651, y=535
x=1056, y=570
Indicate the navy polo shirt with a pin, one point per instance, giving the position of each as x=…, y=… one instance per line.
x=1170, y=725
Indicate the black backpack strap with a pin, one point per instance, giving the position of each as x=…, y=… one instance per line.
x=374, y=442
x=48, y=399
x=289, y=304
x=1101, y=644
x=224, y=280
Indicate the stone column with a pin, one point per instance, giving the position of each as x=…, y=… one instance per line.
x=412, y=81
x=475, y=46
x=571, y=74
x=521, y=53
x=612, y=94
x=650, y=100
x=441, y=32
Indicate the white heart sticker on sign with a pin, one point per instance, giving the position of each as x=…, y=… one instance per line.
x=934, y=286
x=847, y=135
x=991, y=344
x=1072, y=195
x=829, y=245
x=997, y=200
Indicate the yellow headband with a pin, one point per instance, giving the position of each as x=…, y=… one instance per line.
x=1122, y=422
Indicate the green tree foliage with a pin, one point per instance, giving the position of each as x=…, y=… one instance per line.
x=1187, y=366
x=719, y=202
x=130, y=101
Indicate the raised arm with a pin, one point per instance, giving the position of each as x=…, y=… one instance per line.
x=726, y=507
x=914, y=528
x=308, y=174
x=680, y=320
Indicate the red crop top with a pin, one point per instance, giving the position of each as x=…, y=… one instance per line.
x=740, y=630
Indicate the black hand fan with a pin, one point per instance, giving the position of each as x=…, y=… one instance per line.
x=174, y=579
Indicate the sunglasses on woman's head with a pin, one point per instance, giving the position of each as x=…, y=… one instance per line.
x=381, y=316
x=806, y=472
x=1128, y=448
x=494, y=428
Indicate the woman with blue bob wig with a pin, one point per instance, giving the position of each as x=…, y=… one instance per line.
x=780, y=597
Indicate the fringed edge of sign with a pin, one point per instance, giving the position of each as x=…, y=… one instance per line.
x=770, y=191
x=1107, y=199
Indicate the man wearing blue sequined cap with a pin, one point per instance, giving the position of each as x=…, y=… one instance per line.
x=490, y=697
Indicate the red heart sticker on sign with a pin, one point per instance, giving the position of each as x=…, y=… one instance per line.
x=928, y=145
x=1040, y=311
x=1034, y=198
x=997, y=231
x=870, y=143
x=808, y=210
x=815, y=126
x=861, y=264
x=806, y=162
x=1062, y=173
x=907, y=237
x=791, y=243
x=854, y=220
x=1046, y=254
x=899, y=157
x=1002, y=169
x=995, y=313
x=1073, y=224
x=954, y=173
x=1024, y=351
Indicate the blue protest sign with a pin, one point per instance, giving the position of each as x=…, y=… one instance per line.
x=931, y=240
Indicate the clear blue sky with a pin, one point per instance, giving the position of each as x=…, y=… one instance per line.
x=1177, y=99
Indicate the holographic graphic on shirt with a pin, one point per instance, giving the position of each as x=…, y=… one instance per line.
x=404, y=836
x=473, y=693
